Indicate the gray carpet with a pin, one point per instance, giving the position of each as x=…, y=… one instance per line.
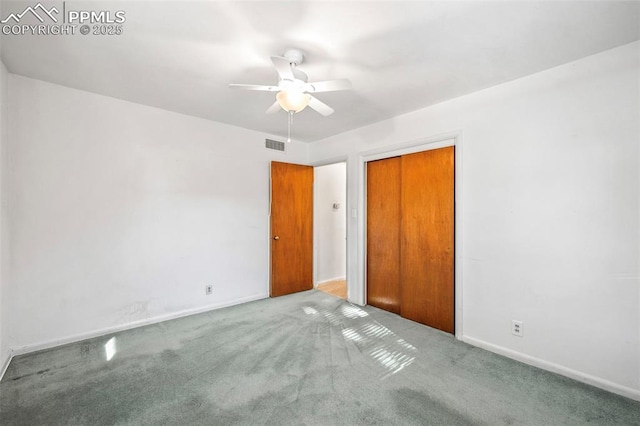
x=308, y=358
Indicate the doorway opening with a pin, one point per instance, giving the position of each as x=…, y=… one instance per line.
x=330, y=229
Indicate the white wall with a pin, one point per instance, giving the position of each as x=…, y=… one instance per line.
x=4, y=223
x=122, y=213
x=330, y=224
x=550, y=213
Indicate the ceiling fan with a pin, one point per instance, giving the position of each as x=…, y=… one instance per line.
x=294, y=90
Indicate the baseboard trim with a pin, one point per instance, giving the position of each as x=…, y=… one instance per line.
x=140, y=323
x=5, y=363
x=555, y=368
x=331, y=279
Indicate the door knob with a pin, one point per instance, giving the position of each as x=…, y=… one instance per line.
x=276, y=238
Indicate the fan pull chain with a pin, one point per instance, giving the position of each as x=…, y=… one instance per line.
x=290, y=121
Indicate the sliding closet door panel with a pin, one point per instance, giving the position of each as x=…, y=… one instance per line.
x=427, y=241
x=383, y=234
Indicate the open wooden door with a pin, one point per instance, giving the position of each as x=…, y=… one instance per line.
x=291, y=228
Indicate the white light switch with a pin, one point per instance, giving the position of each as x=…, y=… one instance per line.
x=354, y=213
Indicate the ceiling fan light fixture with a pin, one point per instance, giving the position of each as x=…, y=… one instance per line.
x=293, y=100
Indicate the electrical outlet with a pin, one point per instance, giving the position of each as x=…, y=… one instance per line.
x=208, y=290
x=517, y=328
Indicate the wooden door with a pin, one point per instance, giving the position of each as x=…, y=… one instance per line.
x=383, y=234
x=427, y=241
x=291, y=228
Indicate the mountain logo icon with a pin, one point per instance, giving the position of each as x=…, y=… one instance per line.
x=38, y=11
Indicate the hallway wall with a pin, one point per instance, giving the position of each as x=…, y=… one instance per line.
x=330, y=224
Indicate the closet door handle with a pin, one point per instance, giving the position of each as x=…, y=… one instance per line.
x=276, y=238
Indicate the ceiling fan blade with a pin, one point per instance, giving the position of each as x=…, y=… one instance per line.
x=328, y=86
x=254, y=87
x=320, y=106
x=273, y=108
x=283, y=66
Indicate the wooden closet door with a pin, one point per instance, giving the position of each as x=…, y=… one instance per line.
x=383, y=234
x=427, y=238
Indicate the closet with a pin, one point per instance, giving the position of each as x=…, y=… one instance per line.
x=410, y=236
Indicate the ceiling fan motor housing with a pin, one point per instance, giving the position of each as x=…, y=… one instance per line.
x=294, y=56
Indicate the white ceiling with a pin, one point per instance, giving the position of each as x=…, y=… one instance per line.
x=399, y=55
